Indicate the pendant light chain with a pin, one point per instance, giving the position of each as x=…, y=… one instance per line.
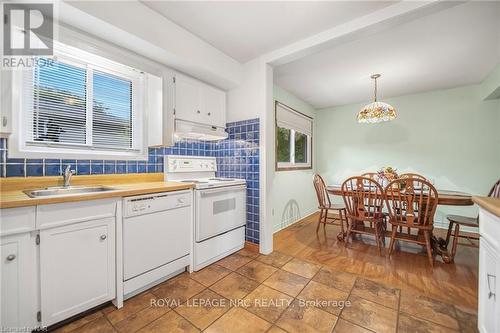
x=375, y=90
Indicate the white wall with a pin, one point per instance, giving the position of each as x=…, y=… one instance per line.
x=292, y=194
x=253, y=99
x=246, y=100
x=450, y=136
x=490, y=87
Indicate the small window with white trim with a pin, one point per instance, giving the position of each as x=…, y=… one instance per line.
x=293, y=139
x=80, y=105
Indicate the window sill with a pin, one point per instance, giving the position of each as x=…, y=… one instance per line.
x=43, y=152
x=293, y=168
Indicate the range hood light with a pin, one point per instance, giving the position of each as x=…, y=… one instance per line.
x=195, y=131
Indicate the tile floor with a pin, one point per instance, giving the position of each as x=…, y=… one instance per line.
x=248, y=292
x=311, y=283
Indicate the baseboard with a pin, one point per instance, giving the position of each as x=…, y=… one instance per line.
x=288, y=223
x=252, y=246
x=444, y=226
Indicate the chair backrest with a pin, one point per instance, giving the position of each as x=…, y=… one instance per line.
x=371, y=175
x=363, y=198
x=495, y=190
x=320, y=187
x=412, y=175
x=412, y=201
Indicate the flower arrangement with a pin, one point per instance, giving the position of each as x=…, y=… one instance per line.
x=387, y=174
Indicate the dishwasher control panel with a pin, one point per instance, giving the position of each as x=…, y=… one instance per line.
x=150, y=203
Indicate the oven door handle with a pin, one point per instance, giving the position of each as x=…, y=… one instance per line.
x=222, y=189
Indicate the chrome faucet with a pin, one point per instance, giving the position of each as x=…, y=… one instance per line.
x=67, y=175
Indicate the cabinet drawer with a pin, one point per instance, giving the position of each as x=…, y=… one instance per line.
x=53, y=215
x=17, y=220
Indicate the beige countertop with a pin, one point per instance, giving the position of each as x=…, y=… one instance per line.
x=12, y=195
x=492, y=205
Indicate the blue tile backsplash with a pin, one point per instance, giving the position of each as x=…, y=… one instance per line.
x=237, y=157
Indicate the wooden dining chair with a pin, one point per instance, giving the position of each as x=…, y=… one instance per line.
x=371, y=175
x=364, y=201
x=325, y=206
x=405, y=176
x=411, y=175
x=374, y=176
x=412, y=204
x=471, y=222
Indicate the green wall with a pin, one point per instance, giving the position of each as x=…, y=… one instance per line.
x=292, y=192
x=451, y=136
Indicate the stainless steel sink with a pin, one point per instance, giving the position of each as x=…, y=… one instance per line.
x=70, y=190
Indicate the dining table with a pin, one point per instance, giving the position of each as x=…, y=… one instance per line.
x=445, y=198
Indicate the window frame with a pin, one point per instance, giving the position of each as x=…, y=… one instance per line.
x=292, y=166
x=22, y=146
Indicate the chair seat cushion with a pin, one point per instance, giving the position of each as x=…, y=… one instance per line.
x=463, y=220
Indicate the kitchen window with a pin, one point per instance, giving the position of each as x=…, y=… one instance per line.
x=293, y=139
x=80, y=105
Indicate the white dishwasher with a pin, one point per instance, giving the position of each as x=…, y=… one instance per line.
x=157, y=236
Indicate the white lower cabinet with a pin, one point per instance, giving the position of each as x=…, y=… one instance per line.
x=489, y=313
x=77, y=268
x=18, y=293
x=489, y=273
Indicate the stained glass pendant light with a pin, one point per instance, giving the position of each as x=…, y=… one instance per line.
x=376, y=112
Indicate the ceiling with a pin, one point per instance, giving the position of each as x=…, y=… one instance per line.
x=246, y=29
x=450, y=48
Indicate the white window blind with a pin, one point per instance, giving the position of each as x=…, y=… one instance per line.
x=112, y=115
x=82, y=101
x=56, y=101
x=291, y=119
x=293, y=139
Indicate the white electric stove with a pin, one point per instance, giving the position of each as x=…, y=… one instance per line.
x=212, y=182
x=219, y=207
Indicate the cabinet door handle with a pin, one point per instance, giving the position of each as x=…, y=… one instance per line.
x=198, y=111
x=209, y=113
x=103, y=237
x=11, y=257
x=4, y=121
x=491, y=293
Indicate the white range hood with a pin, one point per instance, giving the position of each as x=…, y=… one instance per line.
x=190, y=130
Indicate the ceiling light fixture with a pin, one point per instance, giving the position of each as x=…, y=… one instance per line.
x=376, y=112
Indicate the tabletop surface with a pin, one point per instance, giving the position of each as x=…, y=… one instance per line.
x=445, y=197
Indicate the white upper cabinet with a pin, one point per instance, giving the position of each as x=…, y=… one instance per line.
x=214, y=111
x=199, y=102
x=188, y=99
x=160, y=109
x=5, y=103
